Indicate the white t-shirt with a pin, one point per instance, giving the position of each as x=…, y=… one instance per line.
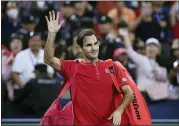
x=24, y=64
x=145, y=69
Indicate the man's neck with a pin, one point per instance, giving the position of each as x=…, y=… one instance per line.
x=90, y=60
x=35, y=52
x=152, y=58
x=148, y=18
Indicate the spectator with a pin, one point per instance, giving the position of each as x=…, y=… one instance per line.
x=174, y=19
x=83, y=8
x=121, y=12
x=68, y=9
x=11, y=22
x=25, y=61
x=174, y=74
x=139, y=46
x=150, y=73
x=71, y=22
x=35, y=97
x=175, y=54
x=145, y=22
x=175, y=48
x=7, y=60
x=42, y=9
x=110, y=40
x=120, y=55
x=28, y=27
x=161, y=16
x=168, y=61
x=85, y=13
x=103, y=7
x=74, y=51
x=16, y=43
x=60, y=51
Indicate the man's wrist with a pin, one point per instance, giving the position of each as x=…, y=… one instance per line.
x=120, y=109
x=52, y=33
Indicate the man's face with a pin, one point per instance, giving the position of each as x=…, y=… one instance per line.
x=105, y=28
x=120, y=4
x=80, y=6
x=152, y=50
x=35, y=43
x=12, y=10
x=123, y=58
x=141, y=48
x=90, y=47
x=176, y=53
x=147, y=9
x=68, y=11
x=16, y=45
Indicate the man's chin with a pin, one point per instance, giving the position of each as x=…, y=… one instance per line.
x=93, y=57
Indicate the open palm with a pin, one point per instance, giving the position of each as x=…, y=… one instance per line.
x=52, y=22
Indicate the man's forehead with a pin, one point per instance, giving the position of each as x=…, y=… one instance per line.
x=35, y=37
x=90, y=39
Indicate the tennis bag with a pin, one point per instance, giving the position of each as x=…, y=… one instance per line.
x=137, y=111
x=55, y=114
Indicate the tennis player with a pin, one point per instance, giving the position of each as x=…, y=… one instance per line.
x=93, y=102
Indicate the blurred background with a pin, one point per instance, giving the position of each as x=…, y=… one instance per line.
x=29, y=86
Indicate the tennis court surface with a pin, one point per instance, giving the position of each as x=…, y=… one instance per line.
x=35, y=122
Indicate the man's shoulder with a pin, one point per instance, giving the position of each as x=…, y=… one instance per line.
x=23, y=53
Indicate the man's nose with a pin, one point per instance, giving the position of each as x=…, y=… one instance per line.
x=93, y=47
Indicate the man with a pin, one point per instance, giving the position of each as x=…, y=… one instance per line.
x=28, y=27
x=25, y=61
x=74, y=51
x=94, y=87
x=151, y=73
x=120, y=55
x=144, y=22
x=35, y=98
x=11, y=22
x=110, y=40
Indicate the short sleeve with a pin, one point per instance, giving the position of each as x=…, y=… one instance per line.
x=67, y=68
x=121, y=75
x=18, y=65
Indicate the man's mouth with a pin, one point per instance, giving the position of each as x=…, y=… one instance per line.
x=93, y=53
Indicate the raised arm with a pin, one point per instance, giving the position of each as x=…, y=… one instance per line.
x=136, y=57
x=53, y=28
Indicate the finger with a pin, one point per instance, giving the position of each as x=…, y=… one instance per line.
x=118, y=121
x=53, y=15
x=46, y=19
x=114, y=121
x=50, y=14
x=61, y=23
x=58, y=16
x=110, y=117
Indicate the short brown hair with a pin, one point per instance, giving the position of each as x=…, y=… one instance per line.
x=83, y=33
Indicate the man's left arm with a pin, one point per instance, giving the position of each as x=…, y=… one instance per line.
x=128, y=96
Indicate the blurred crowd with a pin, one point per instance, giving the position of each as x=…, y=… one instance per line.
x=143, y=36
